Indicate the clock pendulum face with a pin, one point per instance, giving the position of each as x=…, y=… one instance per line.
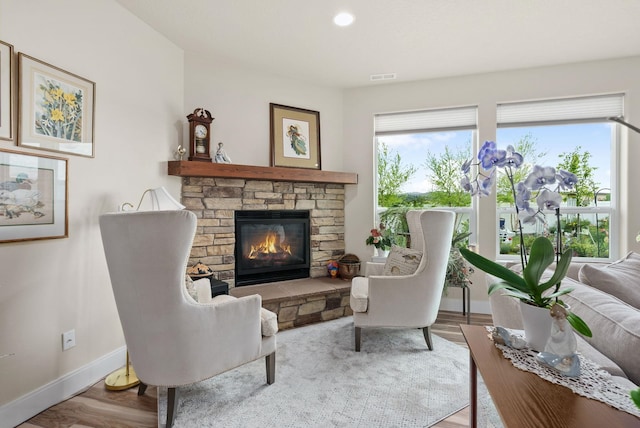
x=199, y=135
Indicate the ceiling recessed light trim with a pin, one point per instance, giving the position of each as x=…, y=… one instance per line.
x=343, y=19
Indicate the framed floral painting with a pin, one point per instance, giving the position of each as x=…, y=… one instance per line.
x=295, y=137
x=6, y=91
x=33, y=197
x=56, y=108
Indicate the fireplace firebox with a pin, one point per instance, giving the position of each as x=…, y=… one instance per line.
x=271, y=245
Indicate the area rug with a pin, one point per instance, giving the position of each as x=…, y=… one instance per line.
x=321, y=382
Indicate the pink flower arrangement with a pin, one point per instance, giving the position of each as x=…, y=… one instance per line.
x=380, y=238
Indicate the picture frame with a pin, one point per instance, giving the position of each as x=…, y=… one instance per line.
x=295, y=137
x=7, y=103
x=33, y=197
x=56, y=108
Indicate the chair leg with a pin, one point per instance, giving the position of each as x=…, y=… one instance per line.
x=464, y=300
x=271, y=367
x=142, y=388
x=468, y=301
x=358, y=337
x=426, y=331
x=172, y=406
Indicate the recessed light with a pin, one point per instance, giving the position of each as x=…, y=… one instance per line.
x=343, y=19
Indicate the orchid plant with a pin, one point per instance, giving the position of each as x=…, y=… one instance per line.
x=538, y=192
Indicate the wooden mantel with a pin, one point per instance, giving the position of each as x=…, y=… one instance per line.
x=227, y=170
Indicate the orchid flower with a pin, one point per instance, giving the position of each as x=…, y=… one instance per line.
x=466, y=167
x=548, y=199
x=523, y=194
x=566, y=179
x=540, y=177
x=513, y=158
x=528, y=215
x=489, y=156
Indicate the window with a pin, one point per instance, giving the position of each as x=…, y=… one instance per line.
x=574, y=135
x=419, y=158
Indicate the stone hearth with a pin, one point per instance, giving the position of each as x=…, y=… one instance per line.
x=302, y=301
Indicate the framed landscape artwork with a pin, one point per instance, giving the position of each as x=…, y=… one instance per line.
x=295, y=137
x=56, y=108
x=6, y=91
x=33, y=197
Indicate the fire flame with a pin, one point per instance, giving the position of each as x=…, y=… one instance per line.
x=269, y=245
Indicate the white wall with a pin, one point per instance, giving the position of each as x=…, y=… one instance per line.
x=485, y=91
x=51, y=286
x=239, y=100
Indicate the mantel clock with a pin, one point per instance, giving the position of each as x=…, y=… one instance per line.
x=199, y=135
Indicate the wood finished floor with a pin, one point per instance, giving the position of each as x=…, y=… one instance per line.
x=98, y=407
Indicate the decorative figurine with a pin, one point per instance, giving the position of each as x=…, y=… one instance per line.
x=180, y=152
x=560, y=351
x=332, y=268
x=502, y=336
x=221, y=156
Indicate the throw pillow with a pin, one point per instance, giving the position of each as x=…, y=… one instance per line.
x=191, y=289
x=620, y=278
x=402, y=261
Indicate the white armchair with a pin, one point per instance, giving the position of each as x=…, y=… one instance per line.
x=173, y=340
x=407, y=301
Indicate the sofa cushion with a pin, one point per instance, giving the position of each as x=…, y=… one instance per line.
x=402, y=261
x=615, y=326
x=619, y=279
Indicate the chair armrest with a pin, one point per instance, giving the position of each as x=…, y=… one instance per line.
x=231, y=326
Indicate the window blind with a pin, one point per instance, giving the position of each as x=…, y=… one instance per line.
x=426, y=121
x=587, y=109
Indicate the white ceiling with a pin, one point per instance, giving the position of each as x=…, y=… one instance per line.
x=416, y=39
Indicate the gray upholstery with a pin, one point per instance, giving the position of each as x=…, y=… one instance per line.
x=173, y=340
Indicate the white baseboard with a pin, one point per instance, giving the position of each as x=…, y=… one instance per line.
x=454, y=304
x=29, y=405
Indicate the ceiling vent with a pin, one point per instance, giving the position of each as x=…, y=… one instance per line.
x=384, y=76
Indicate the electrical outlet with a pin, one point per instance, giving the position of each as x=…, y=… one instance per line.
x=68, y=340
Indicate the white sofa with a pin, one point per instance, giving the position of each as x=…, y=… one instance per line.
x=615, y=324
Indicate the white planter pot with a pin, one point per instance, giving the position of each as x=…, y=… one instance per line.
x=537, y=325
x=378, y=252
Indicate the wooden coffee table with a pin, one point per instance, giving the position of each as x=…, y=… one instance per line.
x=524, y=399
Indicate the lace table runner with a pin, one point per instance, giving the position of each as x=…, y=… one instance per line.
x=593, y=382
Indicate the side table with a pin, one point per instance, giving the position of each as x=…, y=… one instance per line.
x=218, y=287
x=466, y=300
x=525, y=400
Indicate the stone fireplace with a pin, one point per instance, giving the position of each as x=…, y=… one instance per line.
x=215, y=202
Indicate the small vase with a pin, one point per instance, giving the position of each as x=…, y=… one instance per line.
x=537, y=325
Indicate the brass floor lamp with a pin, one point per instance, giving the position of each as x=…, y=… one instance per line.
x=123, y=378
x=161, y=200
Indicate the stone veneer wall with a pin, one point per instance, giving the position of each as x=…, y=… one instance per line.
x=214, y=201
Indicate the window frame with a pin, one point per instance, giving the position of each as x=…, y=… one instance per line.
x=613, y=210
